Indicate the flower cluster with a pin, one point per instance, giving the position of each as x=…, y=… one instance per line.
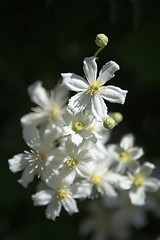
x=68, y=144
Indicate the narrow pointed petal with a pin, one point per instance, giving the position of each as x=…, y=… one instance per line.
x=152, y=184
x=113, y=94
x=137, y=196
x=99, y=108
x=27, y=177
x=33, y=118
x=136, y=152
x=147, y=169
x=109, y=190
x=53, y=210
x=42, y=198
x=79, y=102
x=107, y=71
x=90, y=69
x=38, y=94
x=70, y=205
x=74, y=82
x=31, y=136
x=17, y=163
x=127, y=142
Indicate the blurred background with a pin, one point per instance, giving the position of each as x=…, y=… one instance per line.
x=40, y=39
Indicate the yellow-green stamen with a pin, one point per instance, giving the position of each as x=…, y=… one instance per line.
x=125, y=157
x=72, y=162
x=77, y=127
x=139, y=180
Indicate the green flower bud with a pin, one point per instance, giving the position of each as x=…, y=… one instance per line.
x=118, y=117
x=109, y=123
x=101, y=40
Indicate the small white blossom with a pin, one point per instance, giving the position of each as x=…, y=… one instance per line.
x=50, y=107
x=105, y=180
x=77, y=126
x=141, y=182
x=57, y=196
x=125, y=153
x=37, y=160
x=76, y=160
x=92, y=92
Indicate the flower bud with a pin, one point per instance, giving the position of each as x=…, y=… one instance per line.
x=109, y=123
x=101, y=40
x=118, y=117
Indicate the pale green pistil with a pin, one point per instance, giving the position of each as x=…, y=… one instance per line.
x=62, y=194
x=125, y=157
x=78, y=127
x=139, y=180
x=72, y=162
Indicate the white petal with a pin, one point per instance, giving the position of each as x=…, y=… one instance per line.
x=70, y=205
x=79, y=102
x=113, y=94
x=82, y=190
x=90, y=69
x=42, y=197
x=136, y=152
x=125, y=183
x=74, y=82
x=107, y=71
x=68, y=175
x=109, y=190
x=38, y=94
x=76, y=139
x=31, y=136
x=147, y=169
x=53, y=210
x=137, y=196
x=27, y=177
x=127, y=142
x=152, y=184
x=99, y=108
x=17, y=163
x=33, y=118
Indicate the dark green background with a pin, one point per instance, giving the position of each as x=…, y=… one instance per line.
x=39, y=40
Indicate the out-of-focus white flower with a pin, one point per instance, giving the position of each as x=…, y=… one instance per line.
x=125, y=153
x=37, y=160
x=50, y=107
x=76, y=161
x=77, y=126
x=57, y=196
x=92, y=92
x=60, y=194
x=141, y=182
x=105, y=180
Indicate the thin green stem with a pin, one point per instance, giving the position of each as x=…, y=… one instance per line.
x=98, y=51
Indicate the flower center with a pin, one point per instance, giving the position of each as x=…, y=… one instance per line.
x=78, y=127
x=43, y=156
x=56, y=112
x=97, y=180
x=139, y=180
x=125, y=157
x=62, y=194
x=95, y=87
x=72, y=162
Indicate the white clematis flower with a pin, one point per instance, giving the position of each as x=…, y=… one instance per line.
x=77, y=126
x=77, y=161
x=50, y=107
x=60, y=194
x=39, y=159
x=125, y=154
x=92, y=92
x=141, y=182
